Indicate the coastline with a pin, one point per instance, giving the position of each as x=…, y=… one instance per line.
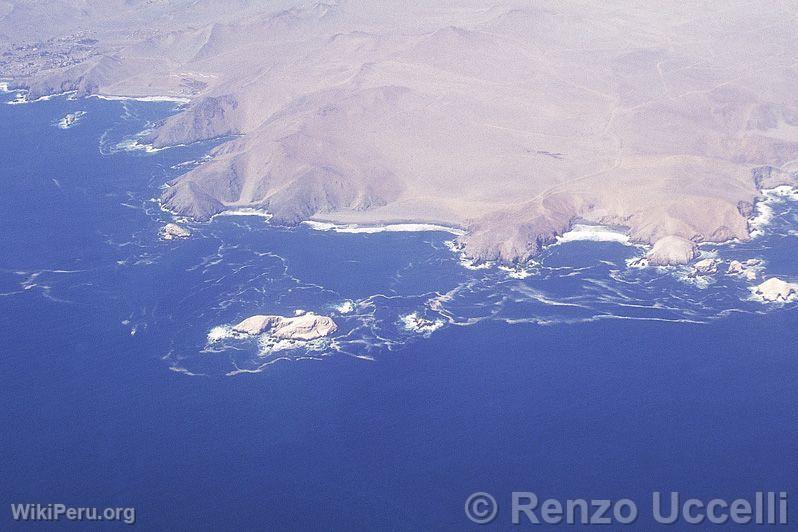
x=5, y=88
x=577, y=231
x=582, y=232
x=246, y=211
x=582, y=283
x=23, y=99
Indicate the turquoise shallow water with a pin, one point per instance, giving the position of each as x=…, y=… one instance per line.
x=584, y=379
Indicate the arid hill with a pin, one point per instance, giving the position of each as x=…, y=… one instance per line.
x=511, y=121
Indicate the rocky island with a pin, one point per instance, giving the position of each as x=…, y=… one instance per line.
x=70, y=119
x=745, y=269
x=776, y=290
x=172, y=231
x=305, y=327
x=708, y=266
x=511, y=120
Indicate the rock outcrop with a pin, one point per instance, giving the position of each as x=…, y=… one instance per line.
x=708, y=266
x=209, y=118
x=671, y=250
x=304, y=327
x=776, y=290
x=172, y=231
x=70, y=119
x=747, y=270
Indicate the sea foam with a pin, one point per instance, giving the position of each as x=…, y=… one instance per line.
x=416, y=323
x=244, y=212
x=345, y=307
x=593, y=233
x=764, y=207
x=388, y=228
x=114, y=98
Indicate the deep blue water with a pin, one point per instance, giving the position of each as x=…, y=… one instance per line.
x=586, y=379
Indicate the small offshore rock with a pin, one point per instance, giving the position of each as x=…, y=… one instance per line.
x=171, y=231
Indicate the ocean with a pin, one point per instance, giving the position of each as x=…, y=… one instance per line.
x=577, y=377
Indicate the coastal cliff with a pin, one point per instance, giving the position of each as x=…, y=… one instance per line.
x=512, y=123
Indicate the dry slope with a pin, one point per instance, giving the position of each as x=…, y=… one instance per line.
x=512, y=121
